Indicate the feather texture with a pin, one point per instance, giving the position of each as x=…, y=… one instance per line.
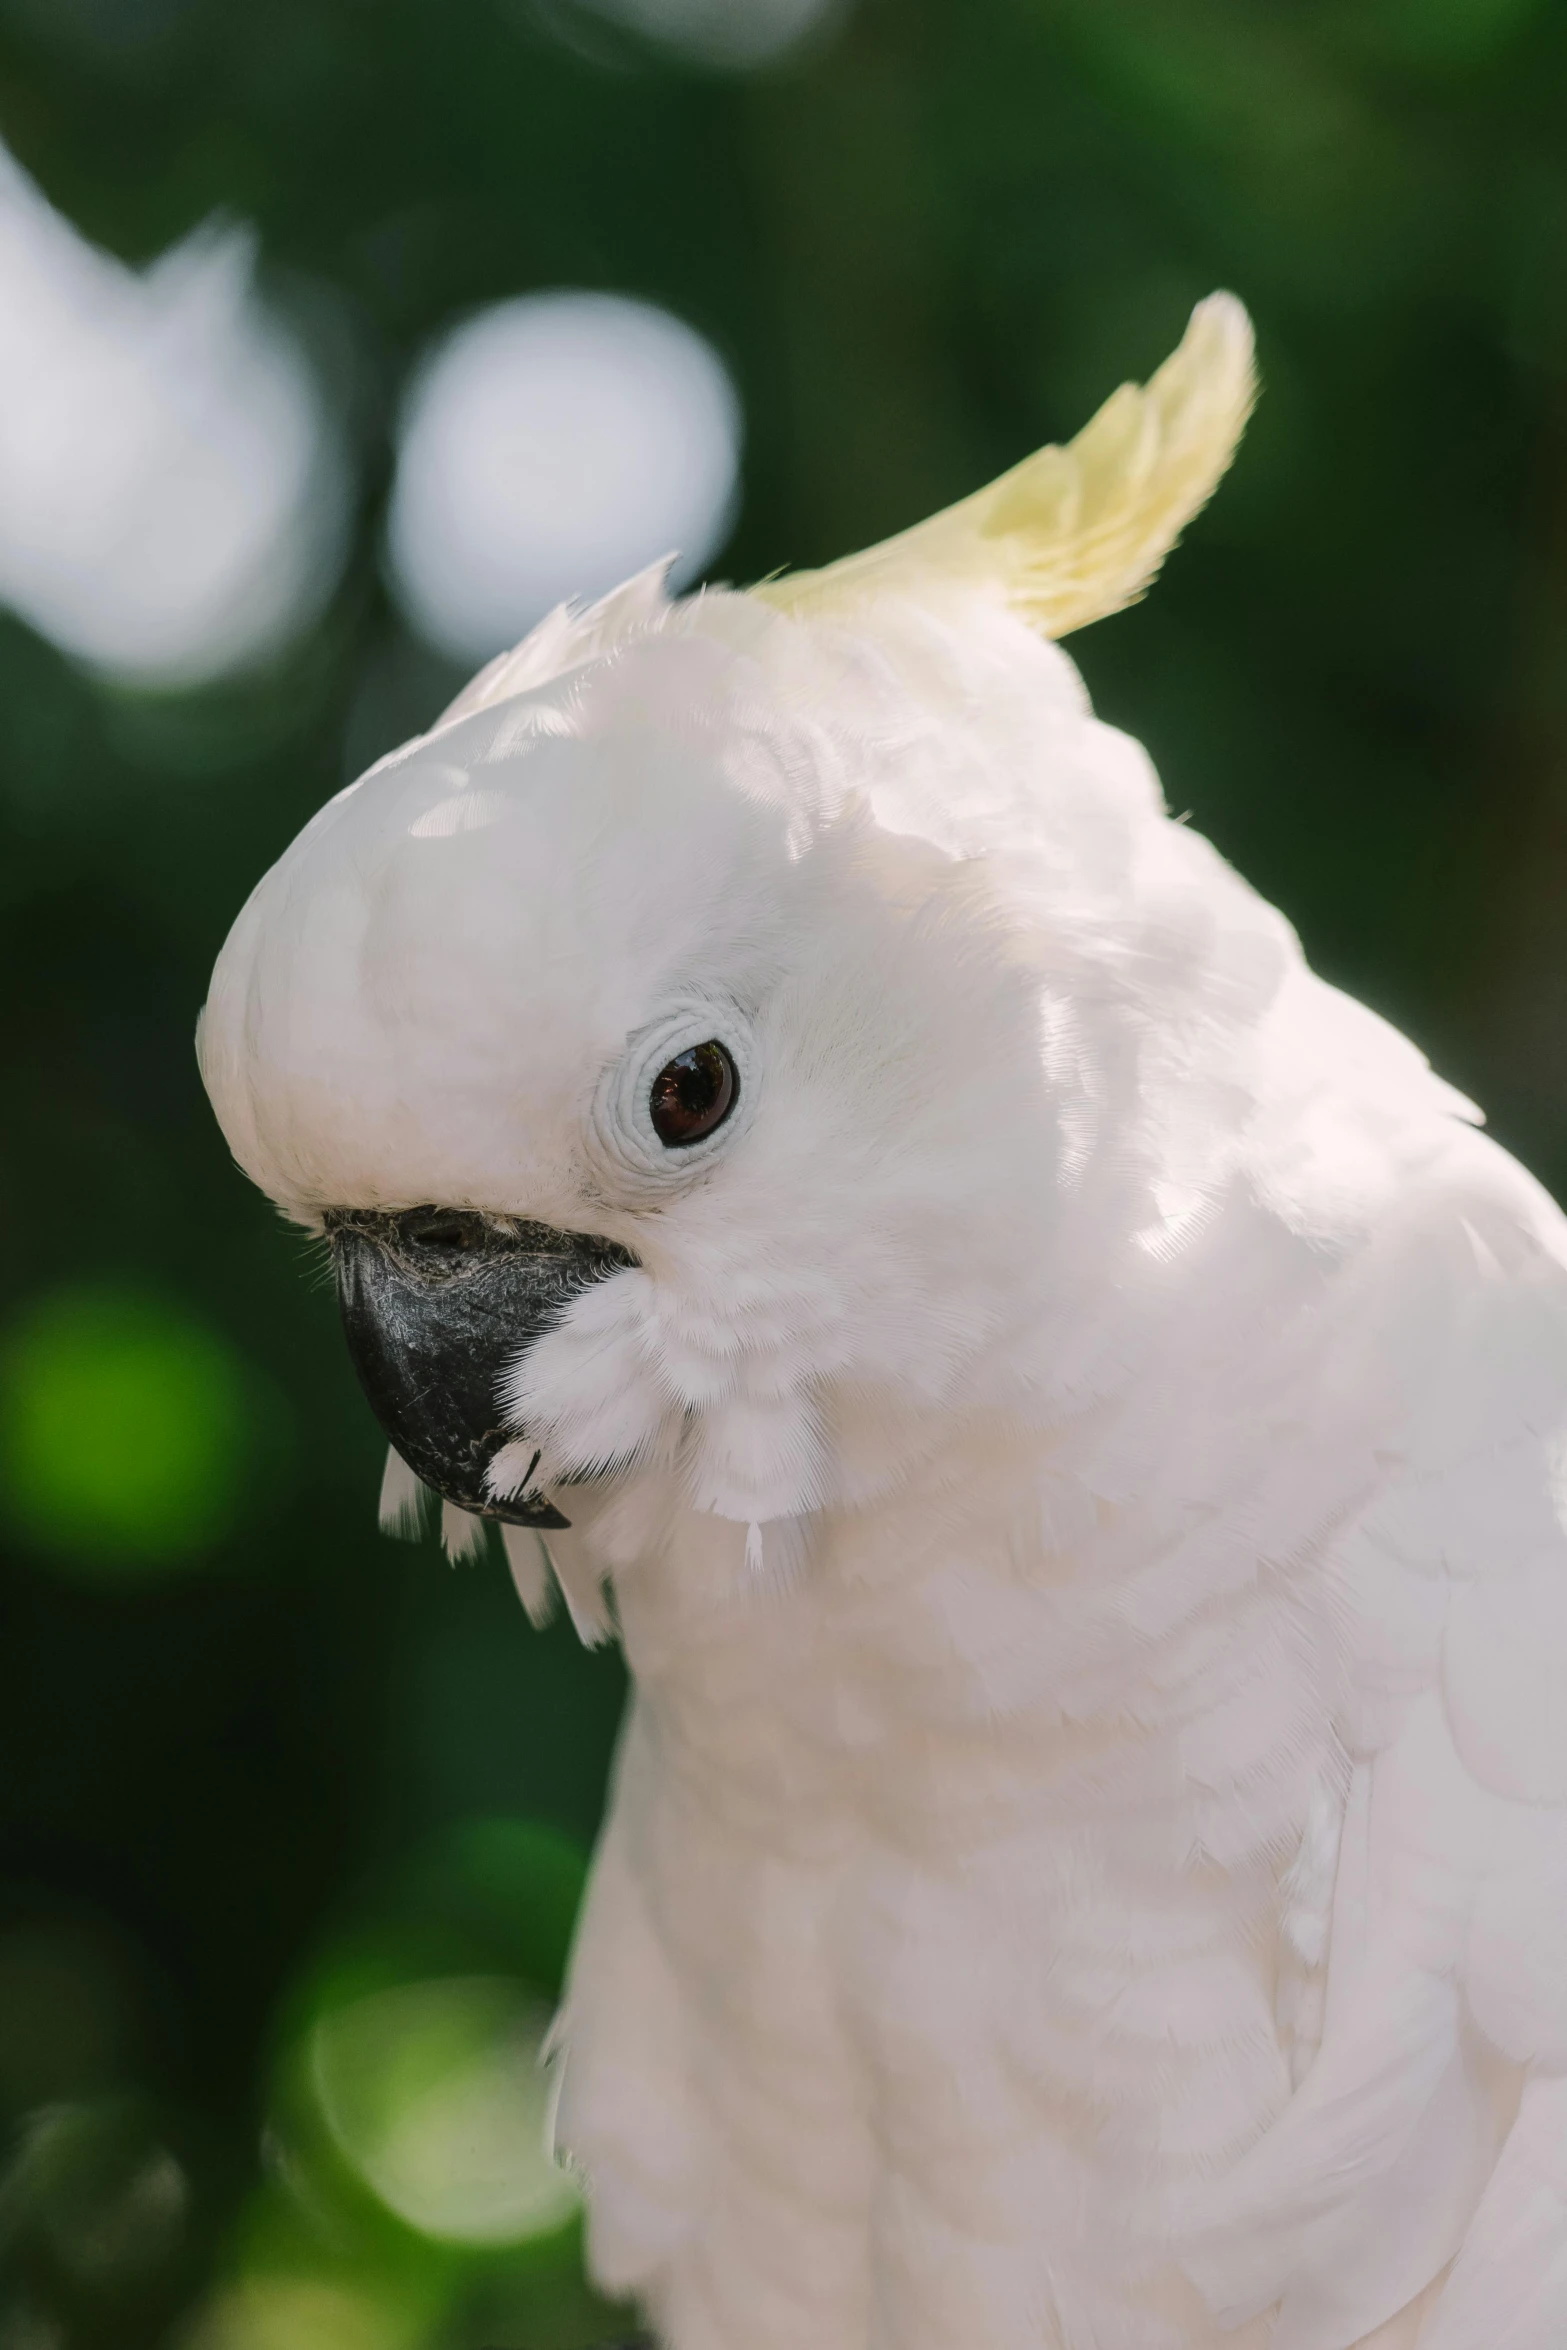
x=529, y=1562
x=1076, y=533
x=462, y=1534
x=1080, y=1464
x=405, y=1505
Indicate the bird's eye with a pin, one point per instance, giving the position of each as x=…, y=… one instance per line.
x=693, y=1094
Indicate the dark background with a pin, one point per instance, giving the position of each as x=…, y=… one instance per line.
x=243, y=1739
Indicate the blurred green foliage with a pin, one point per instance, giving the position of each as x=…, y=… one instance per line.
x=931, y=239
x=405, y=2170
x=126, y=1431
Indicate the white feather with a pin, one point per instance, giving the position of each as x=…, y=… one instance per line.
x=1104, y=1875
x=462, y=1534
x=529, y=1561
x=1508, y=2289
x=583, y=1583
x=405, y=1504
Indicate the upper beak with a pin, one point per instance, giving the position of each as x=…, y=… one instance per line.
x=438, y=1303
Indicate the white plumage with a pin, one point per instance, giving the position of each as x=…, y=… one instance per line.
x=1082, y=1459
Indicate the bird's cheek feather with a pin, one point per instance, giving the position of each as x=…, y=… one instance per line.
x=586, y=1393
x=605, y=1390
x=759, y=1457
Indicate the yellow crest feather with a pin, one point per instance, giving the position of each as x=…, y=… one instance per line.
x=1073, y=534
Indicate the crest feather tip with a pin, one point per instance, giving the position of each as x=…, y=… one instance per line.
x=1077, y=531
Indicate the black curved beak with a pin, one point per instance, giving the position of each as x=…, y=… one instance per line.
x=437, y=1305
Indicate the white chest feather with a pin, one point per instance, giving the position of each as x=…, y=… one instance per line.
x=940, y=1919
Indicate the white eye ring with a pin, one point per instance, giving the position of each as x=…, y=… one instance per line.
x=621, y=1123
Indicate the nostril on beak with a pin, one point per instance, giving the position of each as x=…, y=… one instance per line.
x=457, y=1231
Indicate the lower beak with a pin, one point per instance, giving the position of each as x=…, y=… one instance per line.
x=438, y=1304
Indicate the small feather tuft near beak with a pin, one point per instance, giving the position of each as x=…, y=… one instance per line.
x=527, y=1555
x=406, y=1501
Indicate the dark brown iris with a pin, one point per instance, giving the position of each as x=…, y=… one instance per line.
x=692, y=1095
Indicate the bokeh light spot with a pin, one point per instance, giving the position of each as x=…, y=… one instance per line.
x=96, y=2184
x=172, y=496
x=550, y=447
x=434, y=2094
x=282, y=2312
x=732, y=35
x=125, y=1430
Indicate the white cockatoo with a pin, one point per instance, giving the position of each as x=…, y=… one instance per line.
x=1065, y=1412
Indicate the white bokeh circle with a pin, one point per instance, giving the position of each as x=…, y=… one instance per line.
x=733, y=35
x=550, y=447
x=173, y=493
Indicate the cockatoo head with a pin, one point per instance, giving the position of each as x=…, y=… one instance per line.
x=677, y=1043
